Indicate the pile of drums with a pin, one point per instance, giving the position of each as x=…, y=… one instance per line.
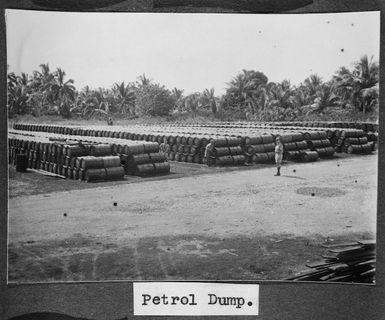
x=84, y=159
x=365, y=126
x=354, y=141
x=235, y=143
x=69, y=159
x=260, y=149
x=144, y=159
x=227, y=151
x=318, y=141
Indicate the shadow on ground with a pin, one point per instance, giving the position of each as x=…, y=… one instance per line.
x=178, y=257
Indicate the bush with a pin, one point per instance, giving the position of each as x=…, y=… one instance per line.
x=154, y=100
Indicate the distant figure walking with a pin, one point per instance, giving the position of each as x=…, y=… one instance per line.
x=278, y=154
x=109, y=121
x=209, y=153
x=165, y=147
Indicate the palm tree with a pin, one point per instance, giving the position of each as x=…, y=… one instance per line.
x=23, y=79
x=18, y=93
x=62, y=92
x=245, y=88
x=209, y=100
x=367, y=72
x=282, y=94
x=17, y=100
x=355, y=84
x=369, y=98
x=177, y=95
x=276, y=101
x=143, y=80
x=12, y=80
x=343, y=81
x=192, y=103
x=326, y=98
x=301, y=96
x=85, y=102
x=313, y=83
x=42, y=80
x=126, y=98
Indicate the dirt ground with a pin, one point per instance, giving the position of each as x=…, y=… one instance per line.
x=196, y=223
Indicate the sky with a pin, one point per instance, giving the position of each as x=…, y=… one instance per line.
x=188, y=51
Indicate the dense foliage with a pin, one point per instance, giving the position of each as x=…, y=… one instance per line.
x=154, y=100
x=351, y=94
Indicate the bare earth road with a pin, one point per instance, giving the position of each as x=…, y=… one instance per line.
x=185, y=216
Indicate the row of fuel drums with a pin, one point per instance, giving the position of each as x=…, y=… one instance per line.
x=356, y=142
x=59, y=159
x=171, y=138
x=192, y=149
x=227, y=151
x=145, y=163
x=366, y=126
x=260, y=149
x=90, y=162
x=89, y=175
x=140, y=159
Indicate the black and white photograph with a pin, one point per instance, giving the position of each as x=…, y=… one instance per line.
x=192, y=146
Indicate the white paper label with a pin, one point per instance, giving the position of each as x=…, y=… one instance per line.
x=195, y=298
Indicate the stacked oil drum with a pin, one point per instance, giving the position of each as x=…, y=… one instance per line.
x=297, y=149
x=372, y=137
x=227, y=151
x=72, y=160
x=144, y=159
x=318, y=141
x=355, y=141
x=365, y=126
x=88, y=159
x=183, y=147
x=92, y=162
x=186, y=148
x=260, y=149
x=19, y=154
x=236, y=143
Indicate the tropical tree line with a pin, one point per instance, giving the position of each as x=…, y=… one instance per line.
x=352, y=93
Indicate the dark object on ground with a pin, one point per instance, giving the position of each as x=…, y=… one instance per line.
x=21, y=162
x=348, y=262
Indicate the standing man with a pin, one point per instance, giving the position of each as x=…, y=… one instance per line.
x=209, y=153
x=165, y=147
x=278, y=154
